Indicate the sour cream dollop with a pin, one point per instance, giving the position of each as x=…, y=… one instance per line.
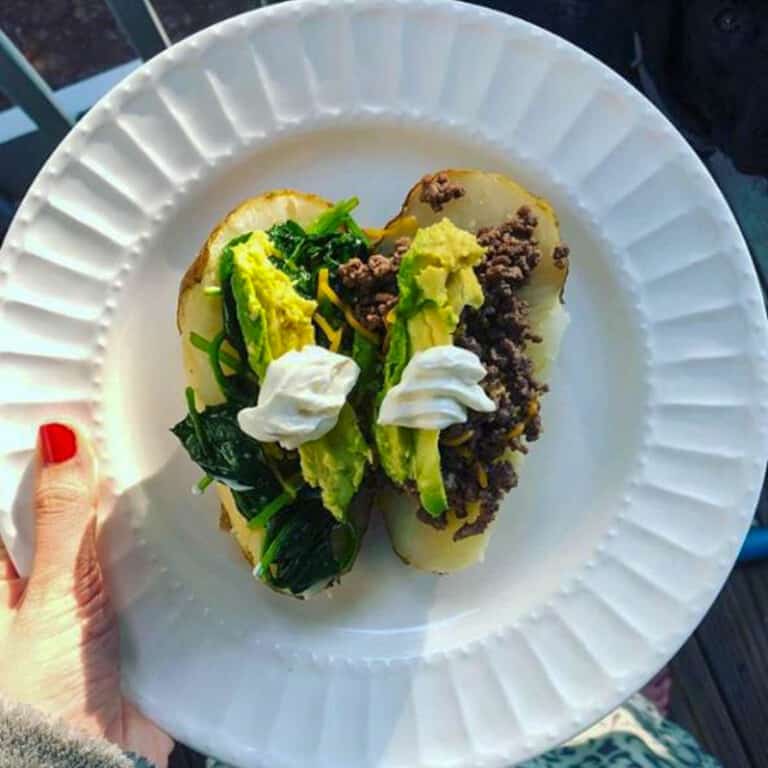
x=300, y=398
x=436, y=388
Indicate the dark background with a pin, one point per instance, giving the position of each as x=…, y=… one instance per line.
x=709, y=58
x=704, y=61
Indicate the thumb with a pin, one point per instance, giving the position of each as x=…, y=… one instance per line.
x=65, y=503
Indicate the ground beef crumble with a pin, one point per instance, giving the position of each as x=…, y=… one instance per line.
x=372, y=285
x=498, y=333
x=560, y=256
x=437, y=190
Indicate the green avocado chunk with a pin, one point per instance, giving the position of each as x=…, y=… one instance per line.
x=436, y=281
x=273, y=317
x=336, y=462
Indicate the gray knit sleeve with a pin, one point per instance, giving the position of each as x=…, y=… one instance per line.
x=29, y=738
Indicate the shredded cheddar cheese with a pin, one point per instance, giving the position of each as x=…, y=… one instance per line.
x=324, y=290
x=460, y=440
x=473, y=511
x=374, y=233
x=353, y=321
x=332, y=334
x=482, y=476
x=531, y=411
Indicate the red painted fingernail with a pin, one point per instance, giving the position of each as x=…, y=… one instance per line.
x=57, y=443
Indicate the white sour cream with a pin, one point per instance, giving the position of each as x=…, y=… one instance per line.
x=437, y=387
x=301, y=397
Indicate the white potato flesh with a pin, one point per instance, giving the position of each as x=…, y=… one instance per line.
x=202, y=314
x=490, y=200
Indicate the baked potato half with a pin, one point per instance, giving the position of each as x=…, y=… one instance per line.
x=488, y=200
x=320, y=534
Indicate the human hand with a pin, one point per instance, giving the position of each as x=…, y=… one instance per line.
x=59, y=640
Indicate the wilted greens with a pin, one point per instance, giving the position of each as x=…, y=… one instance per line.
x=304, y=546
x=331, y=240
x=215, y=442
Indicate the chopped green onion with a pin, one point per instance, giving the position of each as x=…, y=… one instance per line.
x=203, y=483
x=274, y=548
x=354, y=228
x=270, y=509
x=214, y=356
x=329, y=221
x=195, y=417
x=204, y=345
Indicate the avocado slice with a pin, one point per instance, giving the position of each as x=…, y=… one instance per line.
x=336, y=462
x=436, y=281
x=275, y=319
x=395, y=445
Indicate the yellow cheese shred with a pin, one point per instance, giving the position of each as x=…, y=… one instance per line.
x=374, y=233
x=460, y=440
x=324, y=290
x=531, y=411
x=482, y=475
x=473, y=511
x=353, y=321
x=333, y=335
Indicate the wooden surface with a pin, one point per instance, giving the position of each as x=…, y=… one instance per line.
x=720, y=677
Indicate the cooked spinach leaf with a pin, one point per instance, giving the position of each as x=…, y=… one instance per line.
x=232, y=332
x=331, y=240
x=305, y=547
x=366, y=354
x=214, y=441
x=251, y=503
x=269, y=510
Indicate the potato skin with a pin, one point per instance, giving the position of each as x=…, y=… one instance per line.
x=235, y=221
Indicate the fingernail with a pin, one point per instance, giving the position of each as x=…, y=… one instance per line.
x=57, y=443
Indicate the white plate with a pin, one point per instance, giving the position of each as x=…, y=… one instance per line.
x=633, y=505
